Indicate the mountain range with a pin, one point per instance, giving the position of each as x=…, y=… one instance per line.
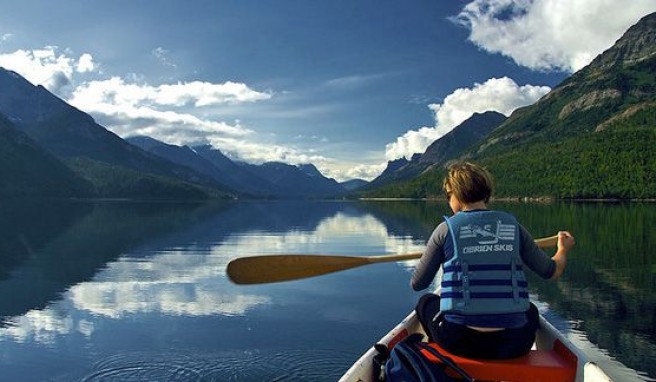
x=448, y=147
x=51, y=148
x=92, y=151
x=272, y=179
x=592, y=136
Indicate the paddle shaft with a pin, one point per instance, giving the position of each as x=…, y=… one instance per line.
x=276, y=268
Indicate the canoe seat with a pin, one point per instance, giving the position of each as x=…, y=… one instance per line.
x=536, y=366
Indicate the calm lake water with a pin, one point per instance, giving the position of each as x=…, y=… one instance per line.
x=110, y=291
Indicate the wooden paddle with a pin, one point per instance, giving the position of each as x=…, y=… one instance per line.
x=275, y=268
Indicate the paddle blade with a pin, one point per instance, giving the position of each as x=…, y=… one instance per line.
x=275, y=268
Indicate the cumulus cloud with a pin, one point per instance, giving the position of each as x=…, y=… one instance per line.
x=498, y=94
x=345, y=170
x=550, y=34
x=363, y=171
x=117, y=91
x=85, y=63
x=48, y=66
x=252, y=151
x=413, y=141
x=166, y=112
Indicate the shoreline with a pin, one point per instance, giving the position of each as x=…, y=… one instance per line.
x=525, y=199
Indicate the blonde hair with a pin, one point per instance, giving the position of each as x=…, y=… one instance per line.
x=469, y=182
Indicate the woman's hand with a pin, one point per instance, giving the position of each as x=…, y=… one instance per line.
x=565, y=241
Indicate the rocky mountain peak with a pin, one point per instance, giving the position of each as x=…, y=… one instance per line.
x=637, y=44
x=309, y=169
x=24, y=102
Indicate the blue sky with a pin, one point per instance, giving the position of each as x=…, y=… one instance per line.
x=344, y=84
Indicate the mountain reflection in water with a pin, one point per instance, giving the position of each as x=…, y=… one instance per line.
x=123, y=287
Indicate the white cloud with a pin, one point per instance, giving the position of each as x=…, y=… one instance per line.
x=85, y=63
x=116, y=91
x=550, y=34
x=259, y=152
x=345, y=170
x=167, y=112
x=48, y=66
x=363, y=171
x=413, y=141
x=498, y=94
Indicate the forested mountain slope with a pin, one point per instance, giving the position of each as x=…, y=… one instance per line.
x=593, y=136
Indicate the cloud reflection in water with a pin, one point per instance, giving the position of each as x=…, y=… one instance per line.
x=191, y=281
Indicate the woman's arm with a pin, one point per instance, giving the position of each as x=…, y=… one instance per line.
x=430, y=261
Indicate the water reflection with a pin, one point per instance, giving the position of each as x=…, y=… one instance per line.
x=71, y=242
x=608, y=289
x=190, y=281
x=87, y=275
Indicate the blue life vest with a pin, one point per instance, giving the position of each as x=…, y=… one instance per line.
x=485, y=274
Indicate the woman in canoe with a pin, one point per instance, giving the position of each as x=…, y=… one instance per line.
x=483, y=309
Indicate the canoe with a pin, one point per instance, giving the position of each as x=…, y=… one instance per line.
x=553, y=358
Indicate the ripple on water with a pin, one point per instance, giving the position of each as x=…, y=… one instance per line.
x=287, y=365
x=144, y=367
